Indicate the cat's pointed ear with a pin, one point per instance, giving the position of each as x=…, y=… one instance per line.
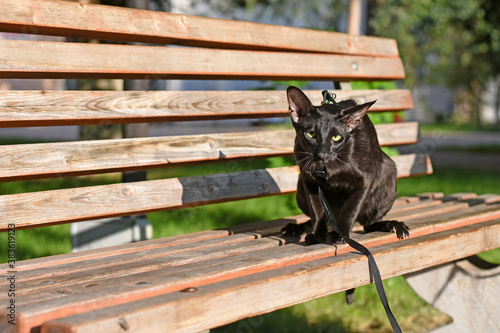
x=298, y=103
x=354, y=115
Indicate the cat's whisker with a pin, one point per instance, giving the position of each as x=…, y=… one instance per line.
x=302, y=160
x=307, y=166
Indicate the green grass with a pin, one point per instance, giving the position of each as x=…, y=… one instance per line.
x=326, y=314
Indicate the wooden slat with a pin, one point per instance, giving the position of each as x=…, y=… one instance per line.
x=88, y=157
x=201, y=238
x=75, y=298
x=27, y=59
x=78, y=204
x=110, y=251
x=35, y=209
x=171, y=260
x=63, y=18
x=103, y=267
x=51, y=108
x=413, y=165
x=255, y=294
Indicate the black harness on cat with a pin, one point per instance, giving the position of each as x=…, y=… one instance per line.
x=374, y=271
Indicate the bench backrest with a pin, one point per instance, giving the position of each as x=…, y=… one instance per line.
x=211, y=49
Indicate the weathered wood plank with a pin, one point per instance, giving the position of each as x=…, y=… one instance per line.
x=256, y=229
x=426, y=211
x=26, y=59
x=30, y=210
x=201, y=239
x=413, y=165
x=63, y=18
x=111, y=251
x=74, y=297
x=51, y=108
x=47, y=267
x=172, y=261
x=77, y=204
x=268, y=291
x=65, y=275
x=89, y=157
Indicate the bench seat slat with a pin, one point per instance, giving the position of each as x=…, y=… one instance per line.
x=439, y=222
x=77, y=261
x=255, y=294
x=27, y=59
x=79, y=204
x=89, y=157
x=29, y=210
x=172, y=263
x=54, y=108
x=179, y=254
x=38, y=269
x=73, y=298
x=96, y=254
x=161, y=258
x=63, y=18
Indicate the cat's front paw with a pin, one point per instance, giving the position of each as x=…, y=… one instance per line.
x=311, y=239
x=293, y=230
x=332, y=237
x=401, y=229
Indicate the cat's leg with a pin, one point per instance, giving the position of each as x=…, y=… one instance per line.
x=402, y=230
x=318, y=234
x=319, y=226
x=310, y=204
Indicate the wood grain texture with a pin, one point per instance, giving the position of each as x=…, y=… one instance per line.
x=79, y=204
x=174, y=263
x=111, y=251
x=51, y=108
x=413, y=165
x=26, y=59
x=32, y=161
x=66, y=272
x=256, y=294
x=72, y=297
x=36, y=209
x=255, y=229
x=64, y=18
x=175, y=253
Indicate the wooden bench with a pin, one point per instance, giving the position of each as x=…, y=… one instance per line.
x=198, y=281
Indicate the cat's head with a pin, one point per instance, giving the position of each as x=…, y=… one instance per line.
x=325, y=130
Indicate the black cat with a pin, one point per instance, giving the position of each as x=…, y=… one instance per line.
x=336, y=147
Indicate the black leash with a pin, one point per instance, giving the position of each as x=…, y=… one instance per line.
x=374, y=271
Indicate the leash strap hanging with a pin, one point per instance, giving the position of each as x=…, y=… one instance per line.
x=374, y=271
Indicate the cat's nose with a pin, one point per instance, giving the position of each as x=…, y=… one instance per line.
x=323, y=155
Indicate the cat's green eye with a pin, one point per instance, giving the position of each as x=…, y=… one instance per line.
x=337, y=137
x=311, y=134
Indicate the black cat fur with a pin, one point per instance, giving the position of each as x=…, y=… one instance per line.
x=360, y=180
